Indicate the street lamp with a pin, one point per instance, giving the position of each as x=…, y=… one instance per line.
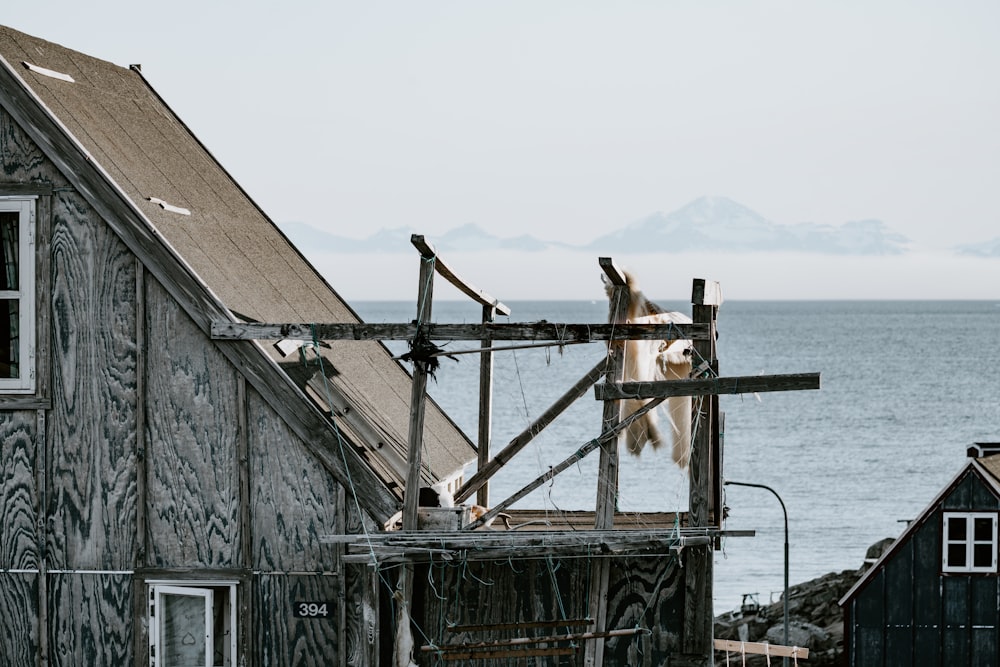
x=784, y=661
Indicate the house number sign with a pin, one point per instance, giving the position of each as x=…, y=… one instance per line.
x=322, y=609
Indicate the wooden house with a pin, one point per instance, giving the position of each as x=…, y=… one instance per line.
x=174, y=493
x=932, y=598
x=162, y=494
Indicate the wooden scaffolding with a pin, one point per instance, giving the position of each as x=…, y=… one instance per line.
x=701, y=528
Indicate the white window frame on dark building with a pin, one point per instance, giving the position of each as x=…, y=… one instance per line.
x=969, y=542
x=17, y=295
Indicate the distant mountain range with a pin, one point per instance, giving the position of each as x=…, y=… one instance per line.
x=705, y=224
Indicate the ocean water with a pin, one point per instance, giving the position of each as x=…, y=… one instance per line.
x=907, y=386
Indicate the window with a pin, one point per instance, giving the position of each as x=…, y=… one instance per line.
x=17, y=295
x=192, y=624
x=969, y=542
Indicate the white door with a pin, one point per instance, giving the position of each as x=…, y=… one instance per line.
x=181, y=631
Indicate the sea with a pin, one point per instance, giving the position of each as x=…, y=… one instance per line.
x=906, y=388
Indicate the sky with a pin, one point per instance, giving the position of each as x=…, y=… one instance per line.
x=567, y=119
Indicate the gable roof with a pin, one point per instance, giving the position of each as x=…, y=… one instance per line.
x=986, y=468
x=126, y=151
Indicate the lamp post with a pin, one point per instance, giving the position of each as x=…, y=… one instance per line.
x=784, y=661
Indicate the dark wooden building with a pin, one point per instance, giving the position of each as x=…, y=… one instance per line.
x=162, y=495
x=932, y=598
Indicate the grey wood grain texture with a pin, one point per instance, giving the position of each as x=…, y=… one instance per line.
x=647, y=593
x=293, y=498
x=192, y=486
x=281, y=638
x=18, y=603
x=89, y=619
x=363, y=624
x=30, y=120
x=505, y=592
x=18, y=492
x=91, y=439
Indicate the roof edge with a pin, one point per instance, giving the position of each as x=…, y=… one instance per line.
x=912, y=527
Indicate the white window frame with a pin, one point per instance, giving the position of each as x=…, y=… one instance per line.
x=199, y=589
x=969, y=542
x=25, y=294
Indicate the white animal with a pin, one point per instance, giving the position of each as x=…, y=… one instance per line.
x=652, y=360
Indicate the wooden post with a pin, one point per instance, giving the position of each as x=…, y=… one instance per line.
x=607, y=476
x=418, y=395
x=698, y=621
x=485, y=406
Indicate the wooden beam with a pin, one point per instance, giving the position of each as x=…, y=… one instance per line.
x=485, y=434
x=505, y=654
x=226, y=329
x=696, y=637
x=524, y=641
x=527, y=625
x=427, y=251
x=761, y=648
x=485, y=472
x=746, y=384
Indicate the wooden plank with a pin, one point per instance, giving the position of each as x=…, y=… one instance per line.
x=8, y=188
x=20, y=639
x=698, y=619
x=485, y=472
x=427, y=251
x=743, y=384
x=418, y=398
x=645, y=592
x=485, y=430
x=760, y=648
x=607, y=472
x=507, y=654
x=526, y=625
x=90, y=622
x=524, y=641
x=92, y=463
x=288, y=639
x=193, y=480
x=292, y=500
x=141, y=407
x=224, y=329
x=21, y=524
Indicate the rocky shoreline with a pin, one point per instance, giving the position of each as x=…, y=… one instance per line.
x=816, y=621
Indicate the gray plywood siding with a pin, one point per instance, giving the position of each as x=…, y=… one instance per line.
x=282, y=638
x=21, y=160
x=646, y=593
x=90, y=619
x=18, y=492
x=294, y=499
x=18, y=603
x=192, y=424
x=92, y=495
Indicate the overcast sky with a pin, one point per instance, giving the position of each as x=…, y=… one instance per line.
x=568, y=119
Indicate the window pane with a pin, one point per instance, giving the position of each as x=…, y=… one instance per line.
x=182, y=631
x=10, y=340
x=956, y=529
x=956, y=555
x=9, y=221
x=983, y=529
x=982, y=555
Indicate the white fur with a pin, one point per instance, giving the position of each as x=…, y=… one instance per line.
x=648, y=361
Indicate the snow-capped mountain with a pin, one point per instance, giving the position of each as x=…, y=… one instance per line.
x=705, y=224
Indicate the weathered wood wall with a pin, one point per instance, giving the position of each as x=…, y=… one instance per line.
x=145, y=453
x=643, y=592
